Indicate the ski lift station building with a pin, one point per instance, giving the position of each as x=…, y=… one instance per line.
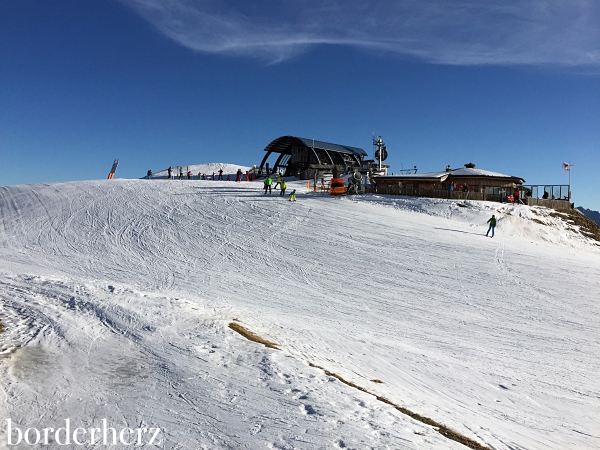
x=305, y=158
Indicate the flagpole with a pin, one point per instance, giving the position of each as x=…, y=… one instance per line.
x=570, y=165
x=567, y=167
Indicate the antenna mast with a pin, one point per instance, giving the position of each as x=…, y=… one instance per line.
x=380, y=153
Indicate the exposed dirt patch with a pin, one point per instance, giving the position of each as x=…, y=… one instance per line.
x=442, y=429
x=251, y=336
x=586, y=226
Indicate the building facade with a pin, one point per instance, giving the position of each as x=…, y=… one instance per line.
x=468, y=179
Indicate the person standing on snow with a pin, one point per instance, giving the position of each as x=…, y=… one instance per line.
x=278, y=179
x=238, y=176
x=181, y=173
x=492, y=222
x=282, y=187
x=516, y=197
x=221, y=174
x=268, y=183
x=169, y=172
x=293, y=196
x=149, y=173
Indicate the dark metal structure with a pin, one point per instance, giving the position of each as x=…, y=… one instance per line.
x=304, y=158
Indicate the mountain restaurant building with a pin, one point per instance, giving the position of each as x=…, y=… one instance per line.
x=466, y=179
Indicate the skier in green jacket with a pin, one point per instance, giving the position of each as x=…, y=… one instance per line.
x=492, y=222
x=283, y=186
x=268, y=183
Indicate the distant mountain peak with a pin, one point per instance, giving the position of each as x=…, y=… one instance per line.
x=594, y=215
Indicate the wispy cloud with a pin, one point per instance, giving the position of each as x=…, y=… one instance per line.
x=469, y=32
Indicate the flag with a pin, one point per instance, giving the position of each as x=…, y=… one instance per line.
x=566, y=166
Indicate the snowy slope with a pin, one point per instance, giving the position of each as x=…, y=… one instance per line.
x=116, y=296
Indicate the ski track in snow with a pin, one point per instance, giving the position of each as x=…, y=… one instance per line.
x=116, y=297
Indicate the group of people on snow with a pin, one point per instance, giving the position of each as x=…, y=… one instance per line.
x=170, y=175
x=202, y=176
x=268, y=184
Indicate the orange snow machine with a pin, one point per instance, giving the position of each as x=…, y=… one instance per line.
x=337, y=186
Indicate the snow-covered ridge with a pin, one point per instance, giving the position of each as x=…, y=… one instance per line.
x=537, y=224
x=116, y=296
x=208, y=169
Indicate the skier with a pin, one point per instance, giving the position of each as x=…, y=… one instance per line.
x=278, y=181
x=238, y=176
x=516, y=196
x=189, y=174
x=492, y=222
x=247, y=176
x=149, y=173
x=221, y=174
x=181, y=173
x=170, y=172
x=268, y=183
x=293, y=196
x=282, y=187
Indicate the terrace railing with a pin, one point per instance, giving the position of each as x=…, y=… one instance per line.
x=554, y=204
x=460, y=195
x=433, y=193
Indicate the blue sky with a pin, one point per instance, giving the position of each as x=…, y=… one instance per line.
x=513, y=86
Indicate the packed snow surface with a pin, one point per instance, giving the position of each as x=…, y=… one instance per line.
x=116, y=296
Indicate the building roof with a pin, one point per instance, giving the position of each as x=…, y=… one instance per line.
x=473, y=172
x=284, y=145
x=441, y=176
